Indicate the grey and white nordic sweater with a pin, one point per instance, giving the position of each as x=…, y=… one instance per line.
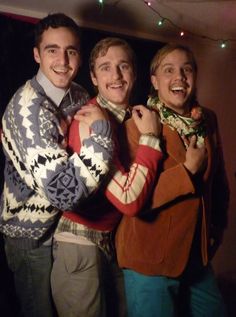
x=40, y=177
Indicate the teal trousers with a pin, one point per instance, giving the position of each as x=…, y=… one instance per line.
x=195, y=294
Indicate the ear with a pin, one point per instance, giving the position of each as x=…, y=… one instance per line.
x=93, y=78
x=154, y=82
x=37, y=55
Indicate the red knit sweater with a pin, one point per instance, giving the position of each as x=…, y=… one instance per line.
x=125, y=191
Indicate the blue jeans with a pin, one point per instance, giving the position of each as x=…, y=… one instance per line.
x=31, y=269
x=195, y=295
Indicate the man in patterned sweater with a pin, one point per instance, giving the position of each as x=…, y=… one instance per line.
x=86, y=280
x=40, y=177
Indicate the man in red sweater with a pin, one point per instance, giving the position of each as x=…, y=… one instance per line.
x=86, y=280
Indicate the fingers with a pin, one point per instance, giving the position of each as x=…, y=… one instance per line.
x=84, y=110
x=89, y=114
x=136, y=114
x=196, y=157
x=139, y=108
x=146, y=120
x=193, y=141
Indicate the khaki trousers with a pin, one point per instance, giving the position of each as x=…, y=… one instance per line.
x=85, y=283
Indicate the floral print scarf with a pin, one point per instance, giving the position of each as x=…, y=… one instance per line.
x=185, y=126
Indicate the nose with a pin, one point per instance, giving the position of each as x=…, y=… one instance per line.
x=180, y=74
x=64, y=59
x=116, y=72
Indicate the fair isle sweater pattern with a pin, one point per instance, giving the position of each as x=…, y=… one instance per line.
x=126, y=191
x=40, y=177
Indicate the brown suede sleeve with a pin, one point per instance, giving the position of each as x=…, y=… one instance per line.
x=172, y=182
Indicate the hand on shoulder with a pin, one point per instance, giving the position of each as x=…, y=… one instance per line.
x=90, y=113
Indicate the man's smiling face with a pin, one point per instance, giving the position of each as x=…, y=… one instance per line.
x=58, y=56
x=175, y=80
x=114, y=76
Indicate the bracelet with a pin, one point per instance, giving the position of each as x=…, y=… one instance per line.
x=150, y=134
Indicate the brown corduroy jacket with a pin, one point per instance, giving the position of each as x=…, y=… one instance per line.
x=159, y=240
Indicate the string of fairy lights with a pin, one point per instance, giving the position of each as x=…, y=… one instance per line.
x=163, y=20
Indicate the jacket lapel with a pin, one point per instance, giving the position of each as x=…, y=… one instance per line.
x=173, y=144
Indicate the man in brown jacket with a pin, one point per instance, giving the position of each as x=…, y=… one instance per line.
x=166, y=251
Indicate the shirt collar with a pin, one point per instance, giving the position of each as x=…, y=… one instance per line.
x=118, y=112
x=53, y=92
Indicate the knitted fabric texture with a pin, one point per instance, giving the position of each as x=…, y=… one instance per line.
x=40, y=177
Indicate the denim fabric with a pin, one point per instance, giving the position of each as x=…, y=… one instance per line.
x=31, y=269
x=191, y=295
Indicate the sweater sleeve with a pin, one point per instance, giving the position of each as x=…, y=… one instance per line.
x=32, y=139
x=128, y=191
x=164, y=179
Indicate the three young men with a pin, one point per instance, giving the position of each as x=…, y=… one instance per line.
x=41, y=179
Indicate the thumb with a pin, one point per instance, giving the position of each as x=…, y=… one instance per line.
x=193, y=141
x=136, y=113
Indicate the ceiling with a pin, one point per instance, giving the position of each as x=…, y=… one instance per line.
x=201, y=20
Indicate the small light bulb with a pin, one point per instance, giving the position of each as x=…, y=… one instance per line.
x=223, y=44
x=160, y=22
x=182, y=33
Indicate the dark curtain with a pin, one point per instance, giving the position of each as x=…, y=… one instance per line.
x=17, y=63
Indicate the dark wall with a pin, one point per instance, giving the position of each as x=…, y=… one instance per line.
x=17, y=63
x=16, y=59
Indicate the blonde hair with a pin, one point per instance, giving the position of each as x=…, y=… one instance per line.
x=101, y=48
x=165, y=50
x=162, y=53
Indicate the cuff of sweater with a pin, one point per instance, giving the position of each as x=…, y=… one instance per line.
x=151, y=141
x=102, y=127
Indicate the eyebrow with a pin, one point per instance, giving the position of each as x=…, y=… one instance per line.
x=70, y=47
x=171, y=64
x=103, y=64
x=108, y=63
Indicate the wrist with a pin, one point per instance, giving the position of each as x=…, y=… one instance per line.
x=102, y=127
x=150, y=134
x=189, y=168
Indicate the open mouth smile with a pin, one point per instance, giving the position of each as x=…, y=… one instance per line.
x=116, y=86
x=178, y=90
x=60, y=71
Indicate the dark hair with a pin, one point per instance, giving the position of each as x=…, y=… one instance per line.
x=54, y=20
x=101, y=48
